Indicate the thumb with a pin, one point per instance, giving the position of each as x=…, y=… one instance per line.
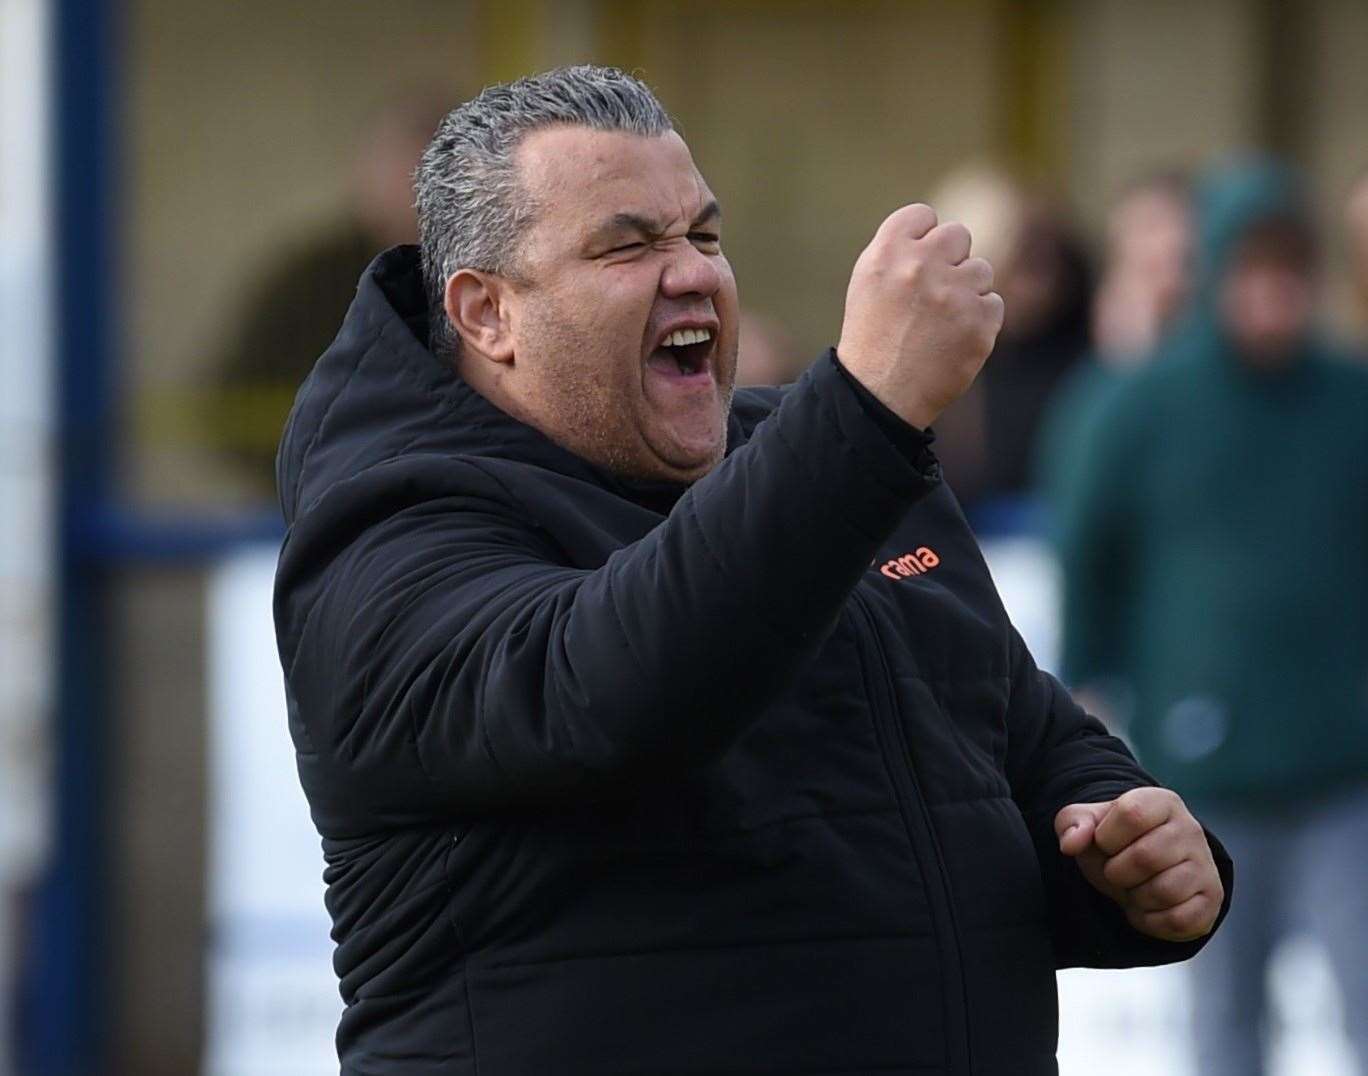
x=1076, y=823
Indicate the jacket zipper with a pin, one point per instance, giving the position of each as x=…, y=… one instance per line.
x=921, y=832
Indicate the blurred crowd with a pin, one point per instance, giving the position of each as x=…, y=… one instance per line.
x=1181, y=409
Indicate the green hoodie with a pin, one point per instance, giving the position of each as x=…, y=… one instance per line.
x=1214, y=540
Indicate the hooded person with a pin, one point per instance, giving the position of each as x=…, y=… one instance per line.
x=654, y=729
x=1215, y=554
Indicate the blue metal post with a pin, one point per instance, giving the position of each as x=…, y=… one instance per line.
x=64, y=988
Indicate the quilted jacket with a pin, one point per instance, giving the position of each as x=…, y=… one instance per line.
x=752, y=776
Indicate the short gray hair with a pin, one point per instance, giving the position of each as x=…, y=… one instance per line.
x=472, y=213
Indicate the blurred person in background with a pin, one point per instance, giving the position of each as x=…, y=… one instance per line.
x=1356, y=230
x=765, y=352
x=988, y=439
x=1148, y=272
x=1145, y=284
x=294, y=309
x=1215, y=556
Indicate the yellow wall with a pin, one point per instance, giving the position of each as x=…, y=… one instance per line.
x=810, y=120
x=240, y=120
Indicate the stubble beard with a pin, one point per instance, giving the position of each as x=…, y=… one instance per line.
x=589, y=402
x=578, y=399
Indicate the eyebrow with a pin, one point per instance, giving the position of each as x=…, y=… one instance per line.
x=649, y=227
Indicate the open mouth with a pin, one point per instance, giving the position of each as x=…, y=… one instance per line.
x=684, y=352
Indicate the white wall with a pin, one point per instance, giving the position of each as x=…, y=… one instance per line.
x=25, y=465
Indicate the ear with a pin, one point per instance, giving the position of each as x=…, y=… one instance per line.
x=476, y=304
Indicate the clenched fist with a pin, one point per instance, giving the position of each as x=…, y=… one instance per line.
x=920, y=315
x=1145, y=851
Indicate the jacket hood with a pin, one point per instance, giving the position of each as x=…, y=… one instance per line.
x=378, y=393
x=1233, y=201
x=1230, y=203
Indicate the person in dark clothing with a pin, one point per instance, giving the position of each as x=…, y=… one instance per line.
x=291, y=311
x=652, y=729
x=1215, y=553
x=992, y=433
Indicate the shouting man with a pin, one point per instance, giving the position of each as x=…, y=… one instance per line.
x=652, y=730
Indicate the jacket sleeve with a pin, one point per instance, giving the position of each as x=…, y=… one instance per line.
x=1057, y=755
x=446, y=659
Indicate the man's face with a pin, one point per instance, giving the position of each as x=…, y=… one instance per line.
x=620, y=271
x=1267, y=301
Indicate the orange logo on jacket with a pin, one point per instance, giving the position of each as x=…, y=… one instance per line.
x=909, y=564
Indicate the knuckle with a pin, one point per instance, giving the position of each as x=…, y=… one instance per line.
x=1147, y=900
x=1168, y=800
x=1131, y=810
x=1188, y=919
x=1173, y=887
x=875, y=254
x=1116, y=872
x=917, y=216
x=1148, y=858
x=871, y=270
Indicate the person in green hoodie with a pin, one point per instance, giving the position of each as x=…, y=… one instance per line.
x=1213, y=537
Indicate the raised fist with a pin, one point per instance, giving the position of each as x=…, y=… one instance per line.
x=920, y=315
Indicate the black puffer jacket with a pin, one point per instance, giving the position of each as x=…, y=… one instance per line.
x=618, y=778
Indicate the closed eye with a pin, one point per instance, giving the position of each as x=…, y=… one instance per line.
x=705, y=238
x=625, y=247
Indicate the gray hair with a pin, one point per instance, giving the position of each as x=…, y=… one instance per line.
x=472, y=213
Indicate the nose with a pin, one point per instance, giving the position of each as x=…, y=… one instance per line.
x=690, y=272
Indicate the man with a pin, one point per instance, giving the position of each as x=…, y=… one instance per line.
x=651, y=730
x=290, y=312
x=1216, y=570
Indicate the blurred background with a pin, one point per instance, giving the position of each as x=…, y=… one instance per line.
x=188, y=192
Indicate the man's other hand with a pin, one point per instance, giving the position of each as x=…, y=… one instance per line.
x=920, y=315
x=1145, y=851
